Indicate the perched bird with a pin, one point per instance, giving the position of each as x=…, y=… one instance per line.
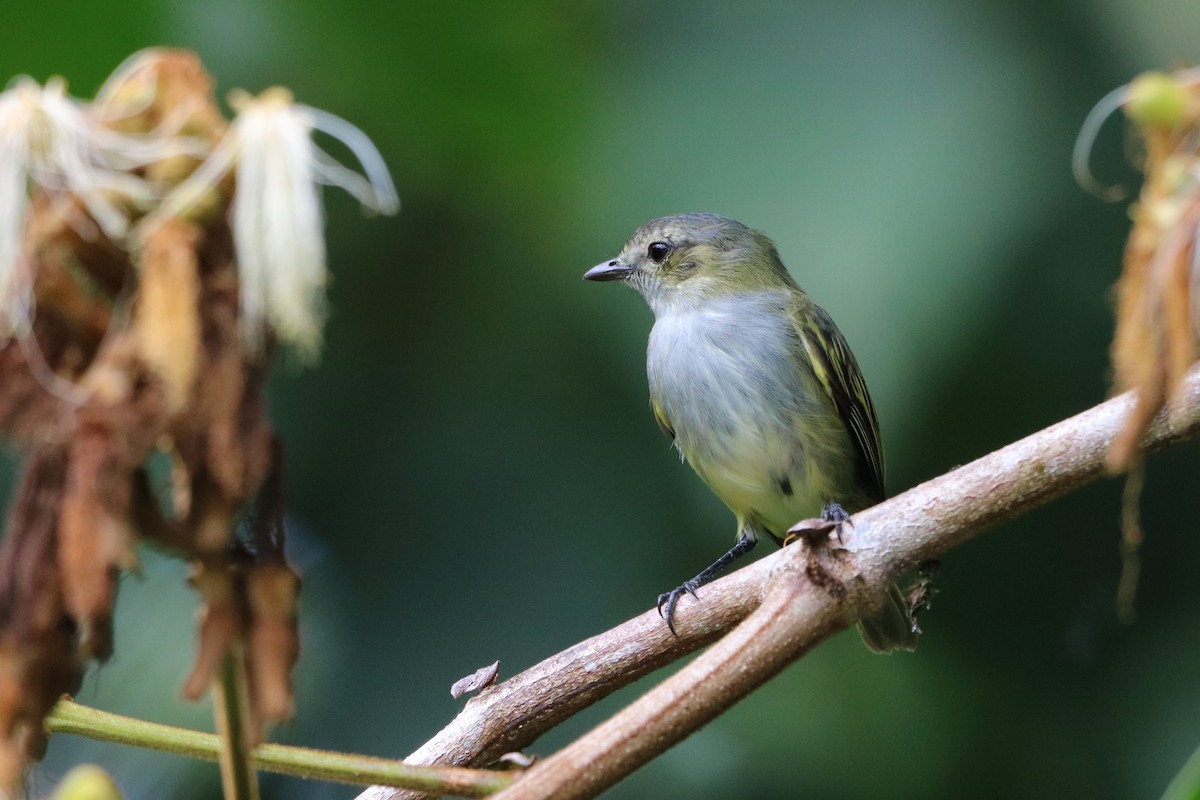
x=757, y=389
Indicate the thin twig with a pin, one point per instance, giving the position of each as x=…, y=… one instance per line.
x=71, y=717
x=883, y=543
x=232, y=712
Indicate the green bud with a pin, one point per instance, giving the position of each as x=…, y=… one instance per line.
x=1157, y=99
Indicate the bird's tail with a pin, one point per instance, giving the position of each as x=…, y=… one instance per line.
x=893, y=628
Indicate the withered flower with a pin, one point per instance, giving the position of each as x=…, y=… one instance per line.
x=165, y=250
x=51, y=142
x=276, y=216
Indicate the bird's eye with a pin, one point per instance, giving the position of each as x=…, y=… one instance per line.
x=658, y=252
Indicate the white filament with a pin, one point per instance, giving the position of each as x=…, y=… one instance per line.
x=277, y=217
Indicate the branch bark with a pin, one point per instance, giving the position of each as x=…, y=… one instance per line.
x=801, y=595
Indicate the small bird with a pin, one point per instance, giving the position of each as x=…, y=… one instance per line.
x=757, y=389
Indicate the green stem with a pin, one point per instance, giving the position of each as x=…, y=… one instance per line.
x=231, y=709
x=70, y=717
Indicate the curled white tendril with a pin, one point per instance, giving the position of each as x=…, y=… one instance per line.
x=277, y=216
x=1090, y=130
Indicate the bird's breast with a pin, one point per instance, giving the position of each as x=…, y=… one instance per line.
x=748, y=414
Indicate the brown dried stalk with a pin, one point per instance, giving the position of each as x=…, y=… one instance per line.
x=796, y=613
x=1157, y=297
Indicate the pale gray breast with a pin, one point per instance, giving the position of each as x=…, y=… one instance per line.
x=733, y=379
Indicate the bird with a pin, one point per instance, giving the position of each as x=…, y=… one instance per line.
x=757, y=389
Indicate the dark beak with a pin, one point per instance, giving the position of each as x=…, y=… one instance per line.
x=608, y=271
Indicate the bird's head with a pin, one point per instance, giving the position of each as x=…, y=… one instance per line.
x=687, y=259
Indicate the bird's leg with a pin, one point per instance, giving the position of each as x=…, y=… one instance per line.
x=668, y=600
x=834, y=514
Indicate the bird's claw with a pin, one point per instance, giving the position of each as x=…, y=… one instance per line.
x=669, y=600
x=836, y=514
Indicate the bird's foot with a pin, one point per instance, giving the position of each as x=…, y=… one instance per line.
x=817, y=529
x=668, y=600
x=837, y=516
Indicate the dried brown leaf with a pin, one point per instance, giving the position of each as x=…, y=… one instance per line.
x=95, y=539
x=166, y=320
x=272, y=591
x=212, y=519
x=220, y=627
x=39, y=659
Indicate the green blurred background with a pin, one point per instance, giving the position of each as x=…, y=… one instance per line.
x=473, y=472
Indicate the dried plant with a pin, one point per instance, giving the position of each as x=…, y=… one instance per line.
x=1158, y=294
x=151, y=254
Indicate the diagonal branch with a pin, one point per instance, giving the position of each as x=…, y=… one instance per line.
x=513, y=714
x=796, y=612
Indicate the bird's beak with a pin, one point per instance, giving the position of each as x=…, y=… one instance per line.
x=613, y=270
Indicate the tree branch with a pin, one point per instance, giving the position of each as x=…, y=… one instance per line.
x=809, y=595
x=511, y=715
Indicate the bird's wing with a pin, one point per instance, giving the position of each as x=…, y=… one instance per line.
x=838, y=373
x=660, y=416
